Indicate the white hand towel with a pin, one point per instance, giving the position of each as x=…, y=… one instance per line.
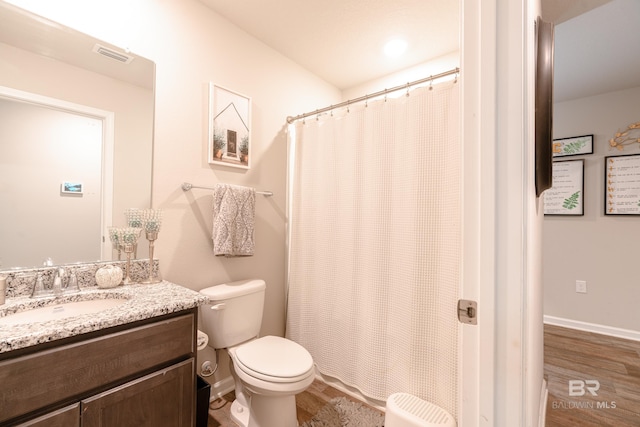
x=233, y=220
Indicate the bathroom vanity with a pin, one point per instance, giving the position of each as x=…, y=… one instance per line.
x=129, y=365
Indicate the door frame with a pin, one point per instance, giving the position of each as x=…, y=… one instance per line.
x=501, y=371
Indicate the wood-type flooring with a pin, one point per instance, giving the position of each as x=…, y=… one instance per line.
x=308, y=403
x=593, y=379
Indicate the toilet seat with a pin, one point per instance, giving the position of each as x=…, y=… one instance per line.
x=274, y=359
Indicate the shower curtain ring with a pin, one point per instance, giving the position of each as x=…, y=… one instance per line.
x=317, y=116
x=407, y=89
x=431, y=83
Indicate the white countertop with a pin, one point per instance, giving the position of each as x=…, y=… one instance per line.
x=143, y=302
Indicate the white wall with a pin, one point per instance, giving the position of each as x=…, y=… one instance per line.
x=600, y=249
x=192, y=46
x=418, y=72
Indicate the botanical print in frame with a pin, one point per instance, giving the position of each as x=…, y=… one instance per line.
x=229, y=128
x=565, y=197
x=573, y=146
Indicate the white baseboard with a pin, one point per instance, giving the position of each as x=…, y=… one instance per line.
x=221, y=388
x=544, y=397
x=593, y=327
x=351, y=391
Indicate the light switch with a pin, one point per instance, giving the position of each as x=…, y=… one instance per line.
x=581, y=286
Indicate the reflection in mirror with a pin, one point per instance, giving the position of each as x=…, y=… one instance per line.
x=108, y=99
x=56, y=153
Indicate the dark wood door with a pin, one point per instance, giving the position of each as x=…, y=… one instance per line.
x=232, y=145
x=165, y=398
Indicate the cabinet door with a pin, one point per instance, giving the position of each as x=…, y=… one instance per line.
x=65, y=417
x=165, y=398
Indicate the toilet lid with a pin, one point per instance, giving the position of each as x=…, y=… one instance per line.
x=275, y=357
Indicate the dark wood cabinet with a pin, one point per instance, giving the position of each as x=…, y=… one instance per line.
x=139, y=375
x=161, y=399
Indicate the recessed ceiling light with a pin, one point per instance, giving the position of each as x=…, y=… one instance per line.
x=394, y=48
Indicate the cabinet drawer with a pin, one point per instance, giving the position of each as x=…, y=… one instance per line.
x=65, y=417
x=37, y=380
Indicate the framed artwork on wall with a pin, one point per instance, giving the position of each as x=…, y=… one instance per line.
x=566, y=195
x=574, y=146
x=622, y=185
x=229, y=128
x=71, y=187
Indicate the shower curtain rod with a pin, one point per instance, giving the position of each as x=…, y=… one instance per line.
x=291, y=119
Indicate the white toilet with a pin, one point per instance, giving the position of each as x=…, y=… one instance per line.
x=268, y=371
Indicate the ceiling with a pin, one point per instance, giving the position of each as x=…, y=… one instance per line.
x=558, y=11
x=42, y=36
x=341, y=40
x=598, y=51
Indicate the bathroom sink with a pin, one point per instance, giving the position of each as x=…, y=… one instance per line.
x=61, y=311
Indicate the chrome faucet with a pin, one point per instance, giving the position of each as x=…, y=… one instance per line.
x=62, y=282
x=72, y=283
x=38, y=286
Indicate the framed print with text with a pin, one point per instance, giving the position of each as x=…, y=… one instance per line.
x=622, y=185
x=566, y=195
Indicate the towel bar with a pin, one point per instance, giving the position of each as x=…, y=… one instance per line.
x=187, y=186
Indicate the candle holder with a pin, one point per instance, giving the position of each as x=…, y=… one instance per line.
x=127, y=239
x=152, y=219
x=134, y=220
x=113, y=237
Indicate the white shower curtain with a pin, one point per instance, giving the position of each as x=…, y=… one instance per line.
x=374, y=249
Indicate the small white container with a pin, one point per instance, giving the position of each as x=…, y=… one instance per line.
x=108, y=276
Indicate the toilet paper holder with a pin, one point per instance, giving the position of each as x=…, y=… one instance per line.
x=202, y=340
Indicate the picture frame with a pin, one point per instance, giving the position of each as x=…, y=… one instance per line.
x=71, y=187
x=622, y=185
x=573, y=146
x=229, y=136
x=566, y=195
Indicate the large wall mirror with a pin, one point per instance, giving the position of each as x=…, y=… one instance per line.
x=73, y=109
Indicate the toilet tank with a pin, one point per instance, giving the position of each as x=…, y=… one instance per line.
x=234, y=314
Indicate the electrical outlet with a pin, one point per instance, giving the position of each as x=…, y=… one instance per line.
x=581, y=286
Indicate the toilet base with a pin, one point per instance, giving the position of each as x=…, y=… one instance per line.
x=266, y=411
